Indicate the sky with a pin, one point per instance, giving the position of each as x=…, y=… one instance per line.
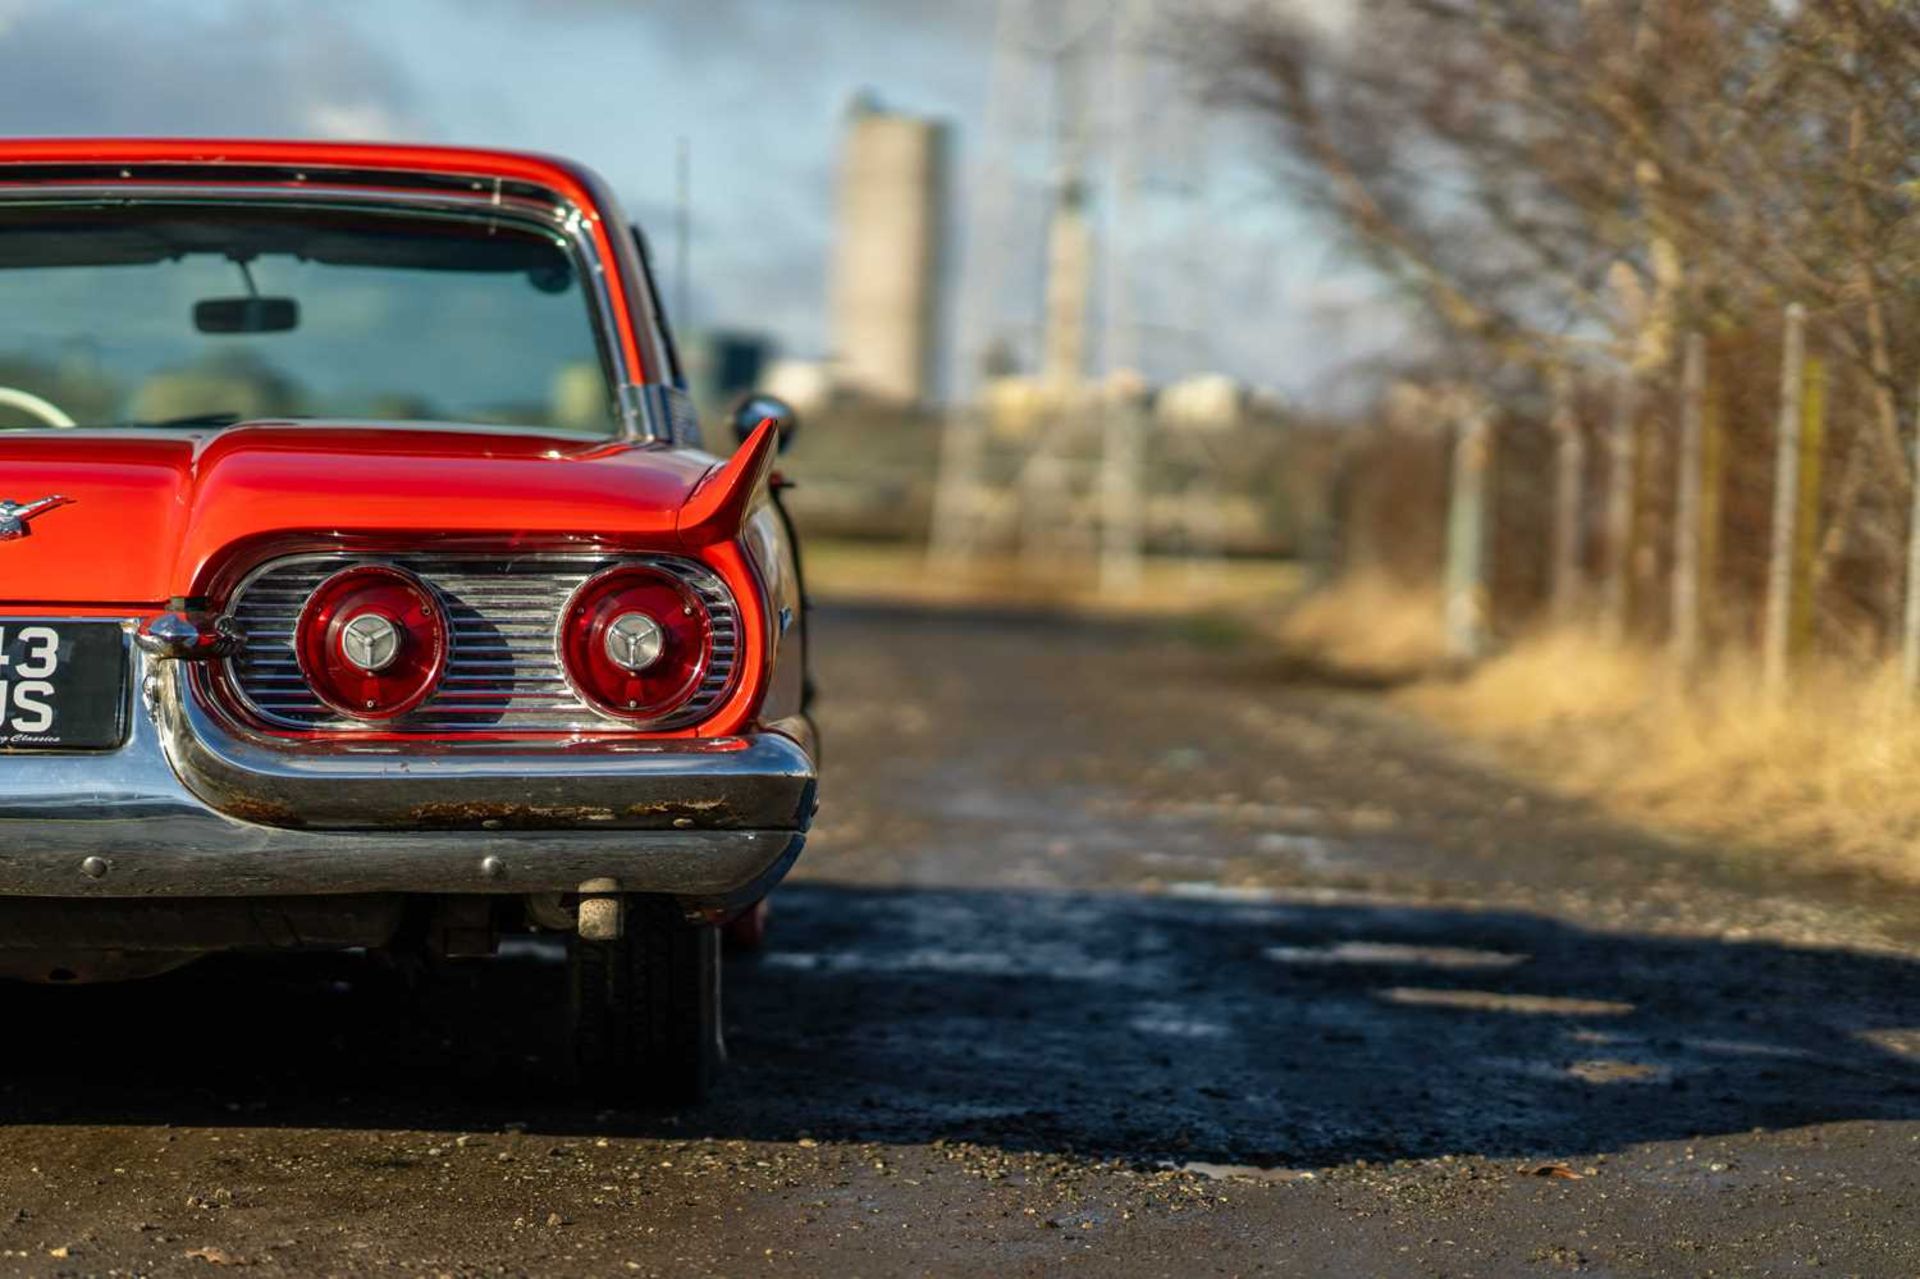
x=756, y=88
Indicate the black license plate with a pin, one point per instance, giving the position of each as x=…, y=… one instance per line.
x=63, y=685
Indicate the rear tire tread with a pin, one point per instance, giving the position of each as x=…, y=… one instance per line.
x=646, y=1008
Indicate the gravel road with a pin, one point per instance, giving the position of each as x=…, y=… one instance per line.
x=1117, y=951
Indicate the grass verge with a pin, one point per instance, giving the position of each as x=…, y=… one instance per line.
x=1827, y=772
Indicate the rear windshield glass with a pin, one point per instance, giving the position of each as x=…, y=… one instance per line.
x=162, y=315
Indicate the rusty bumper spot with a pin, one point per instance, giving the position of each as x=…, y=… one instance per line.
x=708, y=814
x=497, y=816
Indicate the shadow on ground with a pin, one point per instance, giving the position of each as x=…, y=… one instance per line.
x=1266, y=1032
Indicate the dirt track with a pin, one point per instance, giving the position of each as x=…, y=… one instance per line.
x=1114, y=951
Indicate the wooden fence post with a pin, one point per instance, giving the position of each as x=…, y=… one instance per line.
x=1806, y=520
x=1777, y=636
x=1570, y=465
x=1466, y=570
x=1910, y=622
x=1686, y=517
x=1621, y=480
x=1713, y=484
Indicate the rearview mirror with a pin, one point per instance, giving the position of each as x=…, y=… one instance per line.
x=755, y=409
x=246, y=315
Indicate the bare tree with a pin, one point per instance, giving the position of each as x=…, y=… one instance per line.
x=1506, y=159
x=1568, y=182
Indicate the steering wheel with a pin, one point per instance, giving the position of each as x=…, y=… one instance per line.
x=27, y=402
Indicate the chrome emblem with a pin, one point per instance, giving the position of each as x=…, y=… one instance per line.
x=370, y=642
x=14, y=515
x=634, y=641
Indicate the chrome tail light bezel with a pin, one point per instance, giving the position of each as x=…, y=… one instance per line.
x=578, y=680
x=530, y=687
x=311, y=655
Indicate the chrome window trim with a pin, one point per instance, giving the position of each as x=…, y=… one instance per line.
x=638, y=417
x=674, y=408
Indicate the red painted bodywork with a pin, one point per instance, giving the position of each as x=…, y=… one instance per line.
x=162, y=517
x=154, y=516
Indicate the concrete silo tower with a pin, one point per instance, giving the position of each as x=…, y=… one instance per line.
x=886, y=262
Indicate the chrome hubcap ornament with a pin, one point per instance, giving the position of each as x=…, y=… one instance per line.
x=370, y=642
x=634, y=641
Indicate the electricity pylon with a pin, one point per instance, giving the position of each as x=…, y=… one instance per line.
x=1067, y=476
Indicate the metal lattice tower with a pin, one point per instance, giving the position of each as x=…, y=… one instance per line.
x=1069, y=481
x=1061, y=472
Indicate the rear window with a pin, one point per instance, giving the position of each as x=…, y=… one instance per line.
x=177, y=314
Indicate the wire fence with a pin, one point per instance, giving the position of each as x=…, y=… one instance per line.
x=1757, y=495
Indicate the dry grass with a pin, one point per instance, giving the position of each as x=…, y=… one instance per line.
x=1368, y=626
x=1829, y=773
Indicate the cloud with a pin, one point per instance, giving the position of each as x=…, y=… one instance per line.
x=789, y=37
x=273, y=68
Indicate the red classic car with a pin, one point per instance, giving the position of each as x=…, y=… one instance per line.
x=363, y=583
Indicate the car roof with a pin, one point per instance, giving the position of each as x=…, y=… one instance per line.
x=367, y=158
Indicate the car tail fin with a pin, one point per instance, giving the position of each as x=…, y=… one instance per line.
x=718, y=508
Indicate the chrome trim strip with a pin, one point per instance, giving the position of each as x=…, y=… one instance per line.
x=639, y=414
x=191, y=855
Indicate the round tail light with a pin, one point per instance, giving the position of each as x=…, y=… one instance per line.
x=635, y=641
x=372, y=642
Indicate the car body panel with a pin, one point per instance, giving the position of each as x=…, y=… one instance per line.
x=131, y=483
x=194, y=497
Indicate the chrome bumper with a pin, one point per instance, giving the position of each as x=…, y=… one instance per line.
x=189, y=807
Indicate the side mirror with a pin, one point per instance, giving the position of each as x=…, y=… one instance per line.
x=751, y=411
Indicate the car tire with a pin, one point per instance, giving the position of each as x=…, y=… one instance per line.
x=645, y=1009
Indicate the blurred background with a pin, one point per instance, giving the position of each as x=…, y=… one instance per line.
x=1036, y=298
x=1556, y=358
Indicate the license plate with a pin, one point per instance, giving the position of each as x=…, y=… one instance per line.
x=63, y=685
